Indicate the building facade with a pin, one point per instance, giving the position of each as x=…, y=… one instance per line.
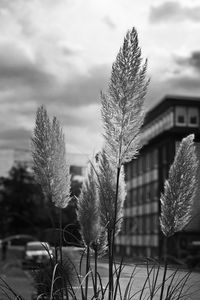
x=164, y=127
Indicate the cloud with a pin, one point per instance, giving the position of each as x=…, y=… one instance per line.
x=18, y=71
x=69, y=51
x=174, y=84
x=109, y=22
x=14, y=134
x=191, y=61
x=84, y=88
x=15, y=138
x=30, y=80
x=81, y=140
x=24, y=84
x=174, y=11
x=186, y=84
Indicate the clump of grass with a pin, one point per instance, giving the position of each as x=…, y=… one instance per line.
x=53, y=279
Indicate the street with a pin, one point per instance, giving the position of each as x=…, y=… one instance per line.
x=21, y=282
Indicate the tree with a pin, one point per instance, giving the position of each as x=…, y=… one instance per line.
x=21, y=203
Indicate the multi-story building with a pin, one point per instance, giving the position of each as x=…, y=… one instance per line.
x=164, y=127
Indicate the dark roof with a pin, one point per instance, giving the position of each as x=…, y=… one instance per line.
x=170, y=101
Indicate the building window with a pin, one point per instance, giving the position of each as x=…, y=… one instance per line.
x=128, y=231
x=164, y=154
x=143, y=194
x=144, y=220
x=131, y=199
x=148, y=224
x=154, y=159
x=140, y=165
x=75, y=170
x=156, y=223
x=125, y=225
x=131, y=169
x=181, y=116
x=128, y=250
x=148, y=161
x=151, y=160
x=144, y=163
x=136, y=225
x=140, y=225
x=148, y=193
x=193, y=117
x=154, y=191
x=140, y=195
x=134, y=168
x=134, y=197
x=181, y=119
x=133, y=225
x=193, y=120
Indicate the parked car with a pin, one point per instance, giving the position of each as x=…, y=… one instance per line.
x=37, y=253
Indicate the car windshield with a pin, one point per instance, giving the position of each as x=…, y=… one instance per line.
x=37, y=247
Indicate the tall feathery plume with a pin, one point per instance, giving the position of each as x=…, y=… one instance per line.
x=179, y=189
x=107, y=193
x=123, y=115
x=122, y=106
x=49, y=159
x=88, y=209
x=89, y=217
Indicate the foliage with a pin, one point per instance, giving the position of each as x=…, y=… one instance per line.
x=21, y=198
x=179, y=189
x=48, y=280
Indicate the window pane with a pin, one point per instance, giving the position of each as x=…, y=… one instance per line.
x=181, y=119
x=181, y=116
x=134, y=198
x=140, y=165
x=193, y=116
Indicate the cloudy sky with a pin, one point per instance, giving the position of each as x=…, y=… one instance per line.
x=59, y=53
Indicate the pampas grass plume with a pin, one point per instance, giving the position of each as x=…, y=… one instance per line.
x=49, y=159
x=179, y=189
x=88, y=209
x=122, y=106
x=107, y=194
